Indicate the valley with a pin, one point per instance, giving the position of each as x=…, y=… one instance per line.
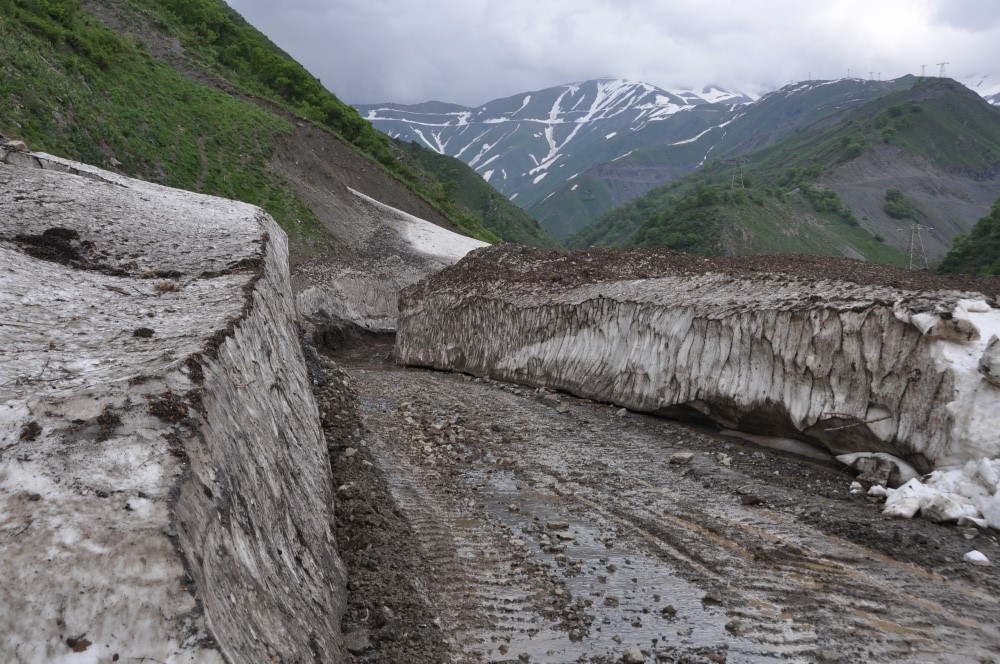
x=283, y=381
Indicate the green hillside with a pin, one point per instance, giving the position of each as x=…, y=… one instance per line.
x=977, y=252
x=469, y=194
x=204, y=114
x=936, y=120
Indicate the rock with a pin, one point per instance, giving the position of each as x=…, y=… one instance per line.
x=633, y=656
x=976, y=558
x=879, y=468
x=724, y=459
x=358, y=641
x=557, y=525
x=681, y=458
x=989, y=363
x=712, y=597
x=749, y=500
x=15, y=146
x=622, y=412
x=562, y=409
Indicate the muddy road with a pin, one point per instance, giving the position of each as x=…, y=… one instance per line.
x=490, y=522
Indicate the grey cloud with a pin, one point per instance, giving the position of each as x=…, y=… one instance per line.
x=471, y=51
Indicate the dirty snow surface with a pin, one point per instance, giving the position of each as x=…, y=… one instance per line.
x=145, y=340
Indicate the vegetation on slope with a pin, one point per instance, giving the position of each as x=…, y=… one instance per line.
x=468, y=194
x=77, y=88
x=937, y=119
x=976, y=252
x=70, y=86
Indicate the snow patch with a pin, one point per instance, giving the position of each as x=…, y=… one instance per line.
x=425, y=237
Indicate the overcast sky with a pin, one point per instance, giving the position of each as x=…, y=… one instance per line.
x=472, y=51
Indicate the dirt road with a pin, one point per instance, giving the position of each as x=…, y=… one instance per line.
x=531, y=526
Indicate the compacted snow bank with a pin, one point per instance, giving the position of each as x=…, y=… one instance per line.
x=165, y=491
x=870, y=367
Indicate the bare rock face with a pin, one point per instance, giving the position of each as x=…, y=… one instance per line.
x=165, y=491
x=854, y=367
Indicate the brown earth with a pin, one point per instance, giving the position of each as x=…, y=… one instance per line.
x=511, y=266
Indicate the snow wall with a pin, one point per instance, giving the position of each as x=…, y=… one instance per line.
x=853, y=368
x=165, y=490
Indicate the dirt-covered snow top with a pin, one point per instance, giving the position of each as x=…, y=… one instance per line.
x=512, y=268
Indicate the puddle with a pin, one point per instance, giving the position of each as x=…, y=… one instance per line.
x=627, y=591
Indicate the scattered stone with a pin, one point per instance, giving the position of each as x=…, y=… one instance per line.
x=633, y=656
x=557, y=525
x=749, y=500
x=668, y=611
x=622, y=412
x=350, y=452
x=358, y=641
x=724, y=459
x=611, y=601
x=712, y=597
x=681, y=458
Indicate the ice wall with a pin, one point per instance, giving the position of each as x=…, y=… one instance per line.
x=165, y=491
x=854, y=368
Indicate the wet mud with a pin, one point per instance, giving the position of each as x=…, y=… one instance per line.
x=531, y=526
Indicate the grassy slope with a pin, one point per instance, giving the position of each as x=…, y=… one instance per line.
x=977, y=252
x=470, y=194
x=936, y=119
x=78, y=89
x=71, y=87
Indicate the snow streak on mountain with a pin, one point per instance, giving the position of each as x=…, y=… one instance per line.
x=517, y=143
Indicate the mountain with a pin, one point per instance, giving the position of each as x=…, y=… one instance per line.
x=928, y=153
x=571, y=153
x=530, y=144
x=186, y=93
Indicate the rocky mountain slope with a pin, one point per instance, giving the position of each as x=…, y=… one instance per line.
x=569, y=154
x=934, y=146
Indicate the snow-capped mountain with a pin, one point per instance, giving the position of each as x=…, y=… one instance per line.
x=570, y=153
x=528, y=144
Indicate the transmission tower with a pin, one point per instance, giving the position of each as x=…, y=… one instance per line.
x=918, y=259
x=737, y=179
x=871, y=76
x=923, y=71
x=941, y=72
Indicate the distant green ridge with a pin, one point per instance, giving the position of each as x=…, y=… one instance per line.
x=936, y=119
